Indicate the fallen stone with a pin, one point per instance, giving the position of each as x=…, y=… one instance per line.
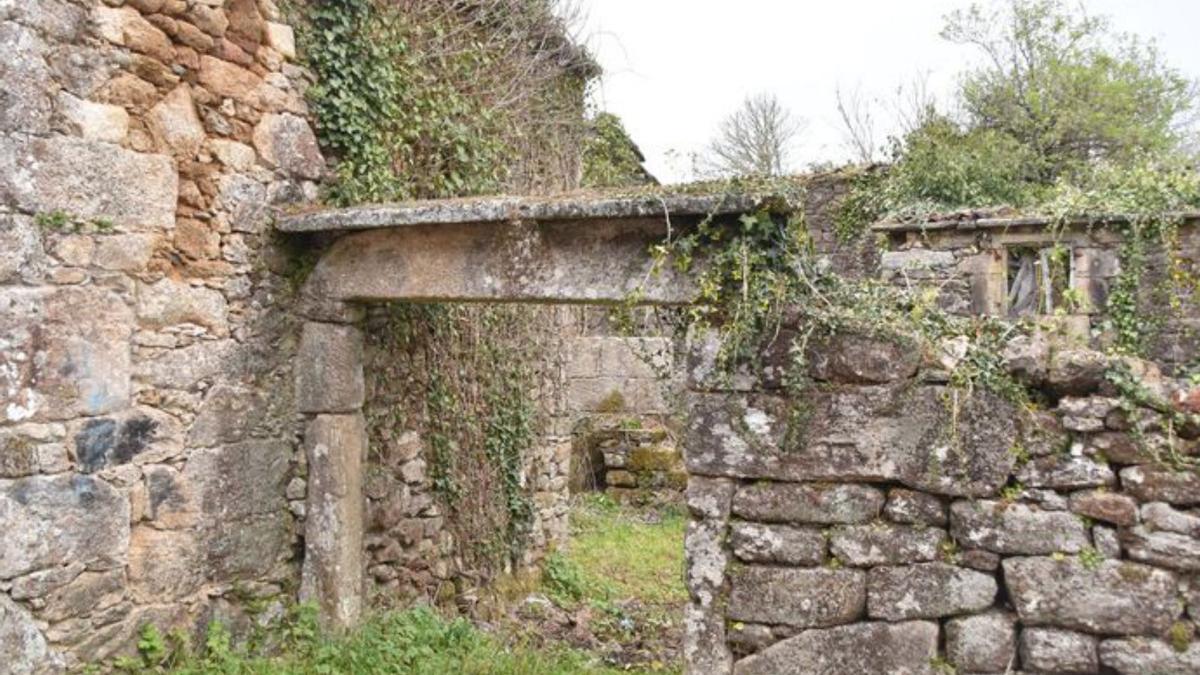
x=1162, y=549
x=1145, y=656
x=911, y=507
x=1110, y=507
x=54, y=520
x=1112, y=598
x=750, y=638
x=803, y=598
x=900, y=648
x=982, y=643
x=780, y=544
x=1151, y=483
x=927, y=590
x=885, y=544
x=807, y=503
x=1053, y=650
x=1018, y=529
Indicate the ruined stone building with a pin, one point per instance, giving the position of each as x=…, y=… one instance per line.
x=190, y=430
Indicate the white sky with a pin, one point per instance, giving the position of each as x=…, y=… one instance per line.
x=675, y=68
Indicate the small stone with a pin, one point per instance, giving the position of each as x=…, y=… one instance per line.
x=1111, y=598
x=779, y=544
x=1109, y=507
x=237, y=156
x=1077, y=372
x=1108, y=544
x=750, y=638
x=911, y=507
x=281, y=38
x=1018, y=529
x=176, y=125
x=1146, y=656
x=1162, y=549
x=807, y=503
x=982, y=643
x=803, y=598
x=927, y=590
x=885, y=544
x=169, y=302
x=1053, y=650
x=908, y=647
x=1160, y=484
x=1065, y=473
x=1159, y=516
x=979, y=559
x=124, y=252
x=709, y=497
x=95, y=121
x=706, y=559
x=287, y=141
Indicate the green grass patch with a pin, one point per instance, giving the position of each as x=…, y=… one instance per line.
x=624, y=553
x=413, y=642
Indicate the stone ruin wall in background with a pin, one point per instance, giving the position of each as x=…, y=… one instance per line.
x=863, y=527
x=150, y=464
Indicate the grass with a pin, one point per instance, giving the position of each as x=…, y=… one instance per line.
x=623, y=567
x=413, y=642
x=620, y=553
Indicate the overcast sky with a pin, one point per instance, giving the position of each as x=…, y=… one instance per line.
x=674, y=68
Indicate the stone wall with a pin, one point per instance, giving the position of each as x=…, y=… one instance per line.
x=420, y=548
x=965, y=260
x=882, y=522
x=148, y=463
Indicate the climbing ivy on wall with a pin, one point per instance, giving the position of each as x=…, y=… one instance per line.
x=435, y=98
x=469, y=380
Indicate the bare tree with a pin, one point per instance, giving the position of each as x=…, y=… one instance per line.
x=757, y=139
x=858, y=125
x=915, y=104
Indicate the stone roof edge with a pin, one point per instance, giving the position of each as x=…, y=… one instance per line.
x=969, y=224
x=506, y=209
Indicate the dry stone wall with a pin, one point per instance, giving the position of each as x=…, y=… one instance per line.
x=883, y=522
x=149, y=470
